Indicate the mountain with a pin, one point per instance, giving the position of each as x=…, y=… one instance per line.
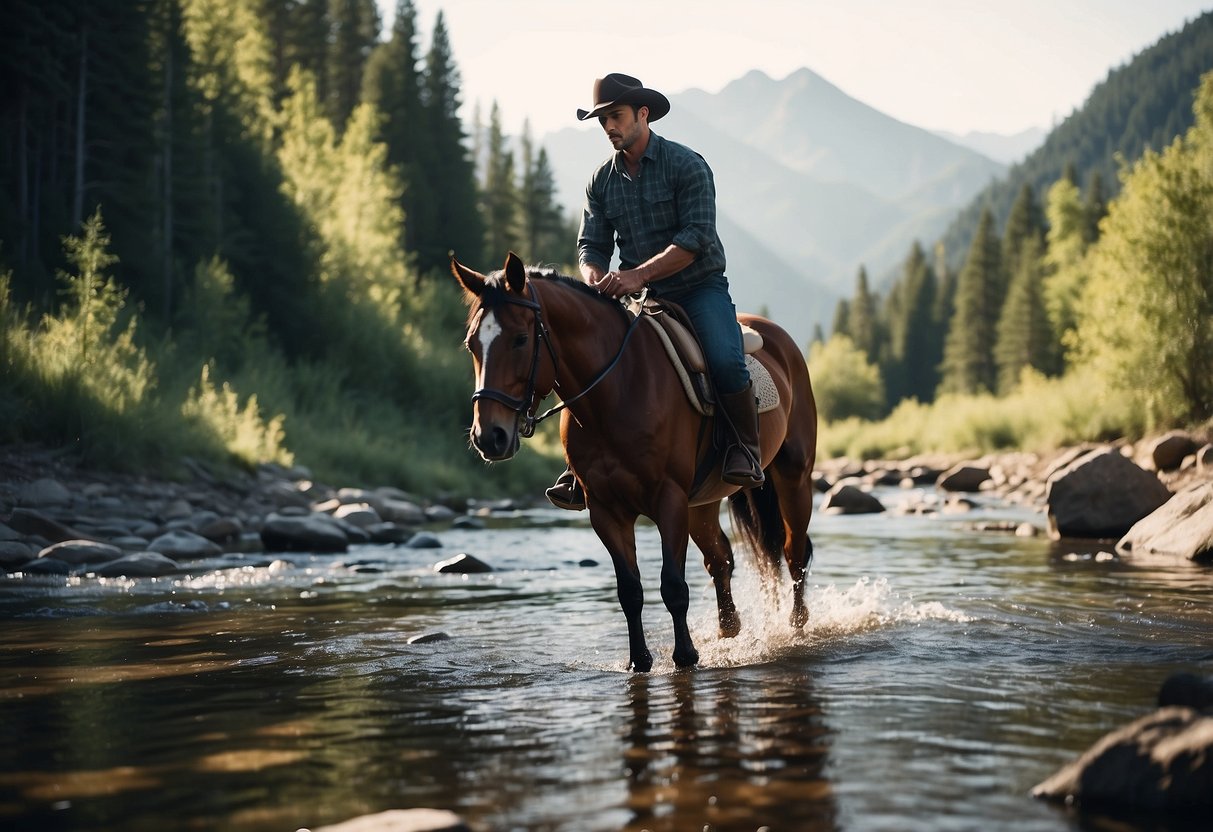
x=1142, y=104
x=810, y=185
x=1007, y=149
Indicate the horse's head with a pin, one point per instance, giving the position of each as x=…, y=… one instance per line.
x=505, y=328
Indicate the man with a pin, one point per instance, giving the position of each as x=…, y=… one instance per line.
x=656, y=200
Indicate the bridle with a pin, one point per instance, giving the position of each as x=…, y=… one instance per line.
x=525, y=407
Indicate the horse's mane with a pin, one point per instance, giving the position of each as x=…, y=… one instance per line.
x=494, y=289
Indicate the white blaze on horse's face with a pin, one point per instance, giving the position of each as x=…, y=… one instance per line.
x=487, y=333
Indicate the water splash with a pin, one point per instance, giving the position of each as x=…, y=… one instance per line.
x=834, y=613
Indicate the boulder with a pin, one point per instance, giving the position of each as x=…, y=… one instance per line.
x=1182, y=526
x=401, y=511
x=462, y=564
x=46, y=566
x=963, y=477
x=77, y=552
x=1167, y=452
x=45, y=492
x=845, y=498
x=33, y=523
x=138, y=565
x=1100, y=495
x=402, y=820
x=13, y=553
x=424, y=540
x=307, y=533
x=183, y=545
x=358, y=514
x=1162, y=762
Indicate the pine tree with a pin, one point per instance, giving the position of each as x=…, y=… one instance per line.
x=842, y=317
x=968, y=361
x=545, y=237
x=1025, y=226
x=913, y=357
x=392, y=85
x=458, y=226
x=1096, y=206
x=353, y=30
x=861, y=322
x=500, y=194
x=1025, y=336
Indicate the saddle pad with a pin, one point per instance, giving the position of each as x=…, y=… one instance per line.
x=764, y=386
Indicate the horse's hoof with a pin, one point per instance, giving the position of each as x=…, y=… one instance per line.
x=641, y=664
x=800, y=617
x=730, y=627
x=686, y=658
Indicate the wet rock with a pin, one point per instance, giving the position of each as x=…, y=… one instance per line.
x=429, y=638
x=33, y=523
x=1167, y=452
x=13, y=553
x=360, y=515
x=219, y=529
x=402, y=820
x=462, y=564
x=130, y=543
x=183, y=545
x=439, y=514
x=1187, y=690
x=1027, y=530
x=1182, y=526
x=965, y=477
x=587, y=563
x=388, y=533
x=845, y=498
x=46, y=566
x=465, y=522
x=8, y=534
x=1162, y=762
x=401, y=511
x=424, y=540
x=45, y=492
x=307, y=533
x=138, y=565
x=78, y=552
x=1101, y=495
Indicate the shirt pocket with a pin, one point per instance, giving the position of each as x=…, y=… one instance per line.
x=659, y=206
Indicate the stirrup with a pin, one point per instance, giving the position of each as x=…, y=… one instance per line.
x=566, y=493
x=753, y=477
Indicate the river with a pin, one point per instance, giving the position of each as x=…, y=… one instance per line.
x=943, y=673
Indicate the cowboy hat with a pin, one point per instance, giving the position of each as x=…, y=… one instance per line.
x=618, y=88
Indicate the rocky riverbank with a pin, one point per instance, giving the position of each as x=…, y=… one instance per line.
x=59, y=518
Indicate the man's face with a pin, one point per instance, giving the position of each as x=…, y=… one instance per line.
x=623, y=125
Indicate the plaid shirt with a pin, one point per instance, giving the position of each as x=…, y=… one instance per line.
x=673, y=200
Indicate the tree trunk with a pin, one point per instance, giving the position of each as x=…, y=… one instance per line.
x=78, y=189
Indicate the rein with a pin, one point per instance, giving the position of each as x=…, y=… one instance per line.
x=525, y=407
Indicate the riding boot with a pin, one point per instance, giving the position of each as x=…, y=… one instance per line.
x=567, y=493
x=742, y=461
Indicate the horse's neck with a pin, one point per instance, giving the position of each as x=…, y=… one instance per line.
x=588, y=336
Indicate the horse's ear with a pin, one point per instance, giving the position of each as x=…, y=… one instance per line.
x=472, y=281
x=515, y=273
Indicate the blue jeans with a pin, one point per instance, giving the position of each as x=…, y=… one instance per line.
x=710, y=308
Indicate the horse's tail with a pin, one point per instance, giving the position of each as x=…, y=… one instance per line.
x=758, y=521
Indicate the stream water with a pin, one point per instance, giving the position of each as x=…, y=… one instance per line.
x=944, y=672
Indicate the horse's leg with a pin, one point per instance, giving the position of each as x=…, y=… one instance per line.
x=672, y=523
x=618, y=535
x=718, y=558
x=794, y=490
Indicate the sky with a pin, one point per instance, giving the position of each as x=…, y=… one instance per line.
x=955, y=65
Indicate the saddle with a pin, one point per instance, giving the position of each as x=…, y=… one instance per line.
x=677, y=336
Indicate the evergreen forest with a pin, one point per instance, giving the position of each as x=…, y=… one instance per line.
x=225, y=228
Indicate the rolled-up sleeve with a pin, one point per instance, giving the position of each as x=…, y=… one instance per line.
x=595, y=238
x=696, y=207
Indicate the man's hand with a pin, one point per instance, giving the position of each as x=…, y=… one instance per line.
x=618, y=284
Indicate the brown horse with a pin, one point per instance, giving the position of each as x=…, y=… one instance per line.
x=634, y=440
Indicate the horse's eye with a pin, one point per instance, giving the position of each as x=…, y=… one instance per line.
x=520, y=340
